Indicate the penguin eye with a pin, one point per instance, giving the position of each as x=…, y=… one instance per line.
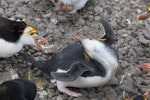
x=32, y=33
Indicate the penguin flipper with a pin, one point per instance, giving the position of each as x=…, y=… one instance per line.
x=76, y=70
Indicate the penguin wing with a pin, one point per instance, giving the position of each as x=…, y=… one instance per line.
x=76, y=70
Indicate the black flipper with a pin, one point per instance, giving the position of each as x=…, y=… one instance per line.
x=109, y=32
x=76, y=70
x=35, y=62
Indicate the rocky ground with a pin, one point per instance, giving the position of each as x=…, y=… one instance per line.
x=132, y=43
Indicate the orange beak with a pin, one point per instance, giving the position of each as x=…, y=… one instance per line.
x=146, y=66
x=143, y=16
x=39, y=41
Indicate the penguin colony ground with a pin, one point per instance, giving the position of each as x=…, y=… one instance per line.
x=79, y=70
x=69, y=67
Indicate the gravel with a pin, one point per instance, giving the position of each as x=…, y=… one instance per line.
x=57, y=26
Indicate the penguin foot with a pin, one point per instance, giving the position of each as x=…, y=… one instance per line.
x=56, y=8
x=72, y=93
x=72, y=11
x=147, y=94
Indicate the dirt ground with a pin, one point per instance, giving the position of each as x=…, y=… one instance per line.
x=58, y=27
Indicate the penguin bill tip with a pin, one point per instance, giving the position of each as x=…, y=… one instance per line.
x=143, y=16
x=41, y=42
x=146, y=66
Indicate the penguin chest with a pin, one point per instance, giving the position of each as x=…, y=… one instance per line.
x=8, y=49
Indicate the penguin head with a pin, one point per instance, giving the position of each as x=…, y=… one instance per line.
x=30, y=36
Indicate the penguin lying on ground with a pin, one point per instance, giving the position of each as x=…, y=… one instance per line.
x=70, y=68
x=14, y=35
x=17, y=89
x=69, y=5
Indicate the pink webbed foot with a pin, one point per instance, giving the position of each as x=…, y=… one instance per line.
x=56, y=8
x=72, y=11
x=147, y=94
x=72, y=93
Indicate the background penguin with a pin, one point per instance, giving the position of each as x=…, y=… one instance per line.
x=14, y=35
x=69, y=67
x=72, y=5
x=17, y=89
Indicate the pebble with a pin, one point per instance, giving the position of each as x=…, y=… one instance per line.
x=111, y=95
x=57, y=26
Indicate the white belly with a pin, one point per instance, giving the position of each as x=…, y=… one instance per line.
x=8, y=49
x=84, y=82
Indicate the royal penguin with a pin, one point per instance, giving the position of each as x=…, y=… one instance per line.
x=72, y=5
x=17, y=89
x=71, y=68
x=15, y=34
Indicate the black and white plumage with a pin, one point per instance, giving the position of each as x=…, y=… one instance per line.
x=17, y=89
x=69, y=68
x=14, y=35
x=76, y=4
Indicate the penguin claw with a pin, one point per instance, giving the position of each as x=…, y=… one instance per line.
x=56, y=8
x=72, y=12
x=72, y=93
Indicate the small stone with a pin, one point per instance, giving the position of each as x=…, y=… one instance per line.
x=98, y=10
x=42, y=94
x=134, y=59
x=139, y=51
x=47, y=15
x=113, y=81
x=1, y=11
x=111, y=95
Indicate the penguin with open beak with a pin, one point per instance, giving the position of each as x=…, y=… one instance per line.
x=14, y=35
x=17, y=89
x=83, y=64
